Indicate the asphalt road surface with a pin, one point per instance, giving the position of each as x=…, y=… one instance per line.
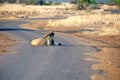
x=66, y=62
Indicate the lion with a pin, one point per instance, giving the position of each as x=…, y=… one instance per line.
x=47, y=40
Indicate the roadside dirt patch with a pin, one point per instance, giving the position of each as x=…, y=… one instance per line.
x=42, y=24
x=5, y=42
x=108, y=54
x=35, y=24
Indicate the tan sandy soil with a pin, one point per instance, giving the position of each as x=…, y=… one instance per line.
x=108, y=54
x=42, y=24
x=35, y=24
x=5, y=42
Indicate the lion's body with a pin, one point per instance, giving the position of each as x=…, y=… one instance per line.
x=39, y=42
x=47, y=40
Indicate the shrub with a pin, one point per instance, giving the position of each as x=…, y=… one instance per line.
x=31, y=2
x=73, y=1
x=84, y=4
x=117, y=2
x=57, y=3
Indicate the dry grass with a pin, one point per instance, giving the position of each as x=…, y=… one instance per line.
x=106, y=24
x=25, y=11
x=22, y=7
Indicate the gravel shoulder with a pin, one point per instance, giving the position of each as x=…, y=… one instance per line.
x=108, y=54
x=5, y=42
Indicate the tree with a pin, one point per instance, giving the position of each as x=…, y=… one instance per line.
x=17, y=1
x=41, y=2
x=84, y=4
x=88, y=1
x=117, y=2
x=57, y=3
x=73, y=1
x=9, y=1
x=31, y=2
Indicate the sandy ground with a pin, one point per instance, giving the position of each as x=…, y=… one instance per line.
x=108, y=54
x=5, y=43
x=35, y=24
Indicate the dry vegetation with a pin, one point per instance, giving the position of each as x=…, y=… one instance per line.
x=99, y=28
x=108, y=24
x=30, y=11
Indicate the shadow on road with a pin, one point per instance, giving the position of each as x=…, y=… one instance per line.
x=68, y=45
x=114, y=11
x=75, y=31
x=15, y=29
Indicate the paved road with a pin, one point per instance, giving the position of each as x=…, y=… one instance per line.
x=64, y=62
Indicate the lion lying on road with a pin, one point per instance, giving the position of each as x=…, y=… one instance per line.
x=47, y=40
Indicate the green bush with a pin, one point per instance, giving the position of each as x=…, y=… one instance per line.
x=88, y=1
x=57, y=3
x=73, y=1
x=84, y=4
x=31, y=2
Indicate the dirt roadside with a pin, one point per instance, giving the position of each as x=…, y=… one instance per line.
x=5, y=42
x=108, y=55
